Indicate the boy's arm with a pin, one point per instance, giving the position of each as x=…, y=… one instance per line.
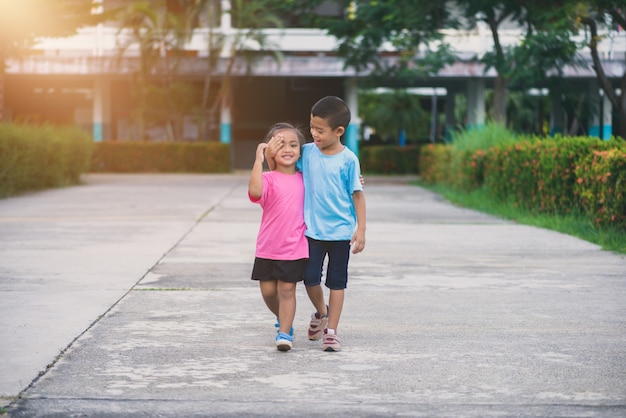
x=358, y=239
x=255, y=185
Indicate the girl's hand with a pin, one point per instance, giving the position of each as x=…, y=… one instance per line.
x=260, y=152
x=273, y=145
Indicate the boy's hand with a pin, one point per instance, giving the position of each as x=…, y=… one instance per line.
x=357, y=242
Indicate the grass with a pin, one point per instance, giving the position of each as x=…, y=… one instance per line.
x=576, y=225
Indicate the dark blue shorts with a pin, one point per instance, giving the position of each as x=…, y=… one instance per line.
x=337, y=270
x=283, y=270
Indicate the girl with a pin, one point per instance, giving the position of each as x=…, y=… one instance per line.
x=281, y=247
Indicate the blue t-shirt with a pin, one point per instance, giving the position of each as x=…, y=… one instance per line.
x=329, y=181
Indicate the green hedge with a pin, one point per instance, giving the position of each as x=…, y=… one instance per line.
x=38, y=157
x=539, y=174
x=601, y=185
x=434, y=163
x=161, y=157
x=384, y=159
x=550, y=175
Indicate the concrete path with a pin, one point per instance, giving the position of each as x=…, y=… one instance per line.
x=130, y=296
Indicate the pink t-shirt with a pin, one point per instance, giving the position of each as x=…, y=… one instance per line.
x=281, y=234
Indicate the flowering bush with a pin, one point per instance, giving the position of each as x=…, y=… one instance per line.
x=601, y=185
x=554, y=175
x=434, y=163
x=539, y=174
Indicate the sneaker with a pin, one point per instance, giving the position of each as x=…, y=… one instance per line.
x=317, y=325
x=283, y=342
x=331, y=341
x=277, y=326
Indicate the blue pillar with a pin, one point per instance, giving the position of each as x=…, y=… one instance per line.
x=97, y=131
x=402, y=138
x=607, y=118
x=225, y=135
x=475, y=103
x=225, y=124
x=352, y=133
x=101, y=110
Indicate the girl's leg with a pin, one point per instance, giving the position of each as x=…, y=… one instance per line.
x=287, y=305
x=269, y=291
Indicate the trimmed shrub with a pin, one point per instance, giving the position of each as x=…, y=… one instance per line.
x=38, y=157
x=601, y=185
x=467, y=169
x=552, y=175
x=539, y=174
x=384, y=159
x=468, y=154
x=161, y=157
x=434, y=163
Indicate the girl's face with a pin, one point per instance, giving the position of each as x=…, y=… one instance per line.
x=288, y=154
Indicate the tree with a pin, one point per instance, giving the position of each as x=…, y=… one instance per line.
x=395, y=42
x=547, y=48
x=609, y=14
x=159, y=35
x=393, y=112
x=501, y=58
x=23, y=21
x=162, y=33
x=246, y=40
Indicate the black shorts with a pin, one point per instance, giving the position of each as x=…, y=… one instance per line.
x=283, y=270
x=338, y=253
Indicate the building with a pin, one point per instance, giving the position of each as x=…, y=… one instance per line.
x=86, y=80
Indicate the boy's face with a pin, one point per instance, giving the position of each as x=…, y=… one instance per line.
x=289, y=153
x=324, y=136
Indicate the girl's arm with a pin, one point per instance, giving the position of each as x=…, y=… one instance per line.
x=255, y=185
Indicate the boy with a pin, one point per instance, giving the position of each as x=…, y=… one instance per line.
x=334, y=213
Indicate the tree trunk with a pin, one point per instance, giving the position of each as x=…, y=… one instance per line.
x=499, y=100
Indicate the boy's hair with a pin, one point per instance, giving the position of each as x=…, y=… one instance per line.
x=285, y=126
x=333, y=110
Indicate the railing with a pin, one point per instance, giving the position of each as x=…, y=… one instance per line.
x=96, y=50
x=103, y=41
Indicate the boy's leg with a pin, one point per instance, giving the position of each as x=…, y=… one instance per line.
x=312, y=281
x=335, y=306
x=312, y=275
x=319, y=319
x=316, y=295
x=337, y=281
x=287, y=305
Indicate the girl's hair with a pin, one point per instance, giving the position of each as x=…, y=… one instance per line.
x=284, y=126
